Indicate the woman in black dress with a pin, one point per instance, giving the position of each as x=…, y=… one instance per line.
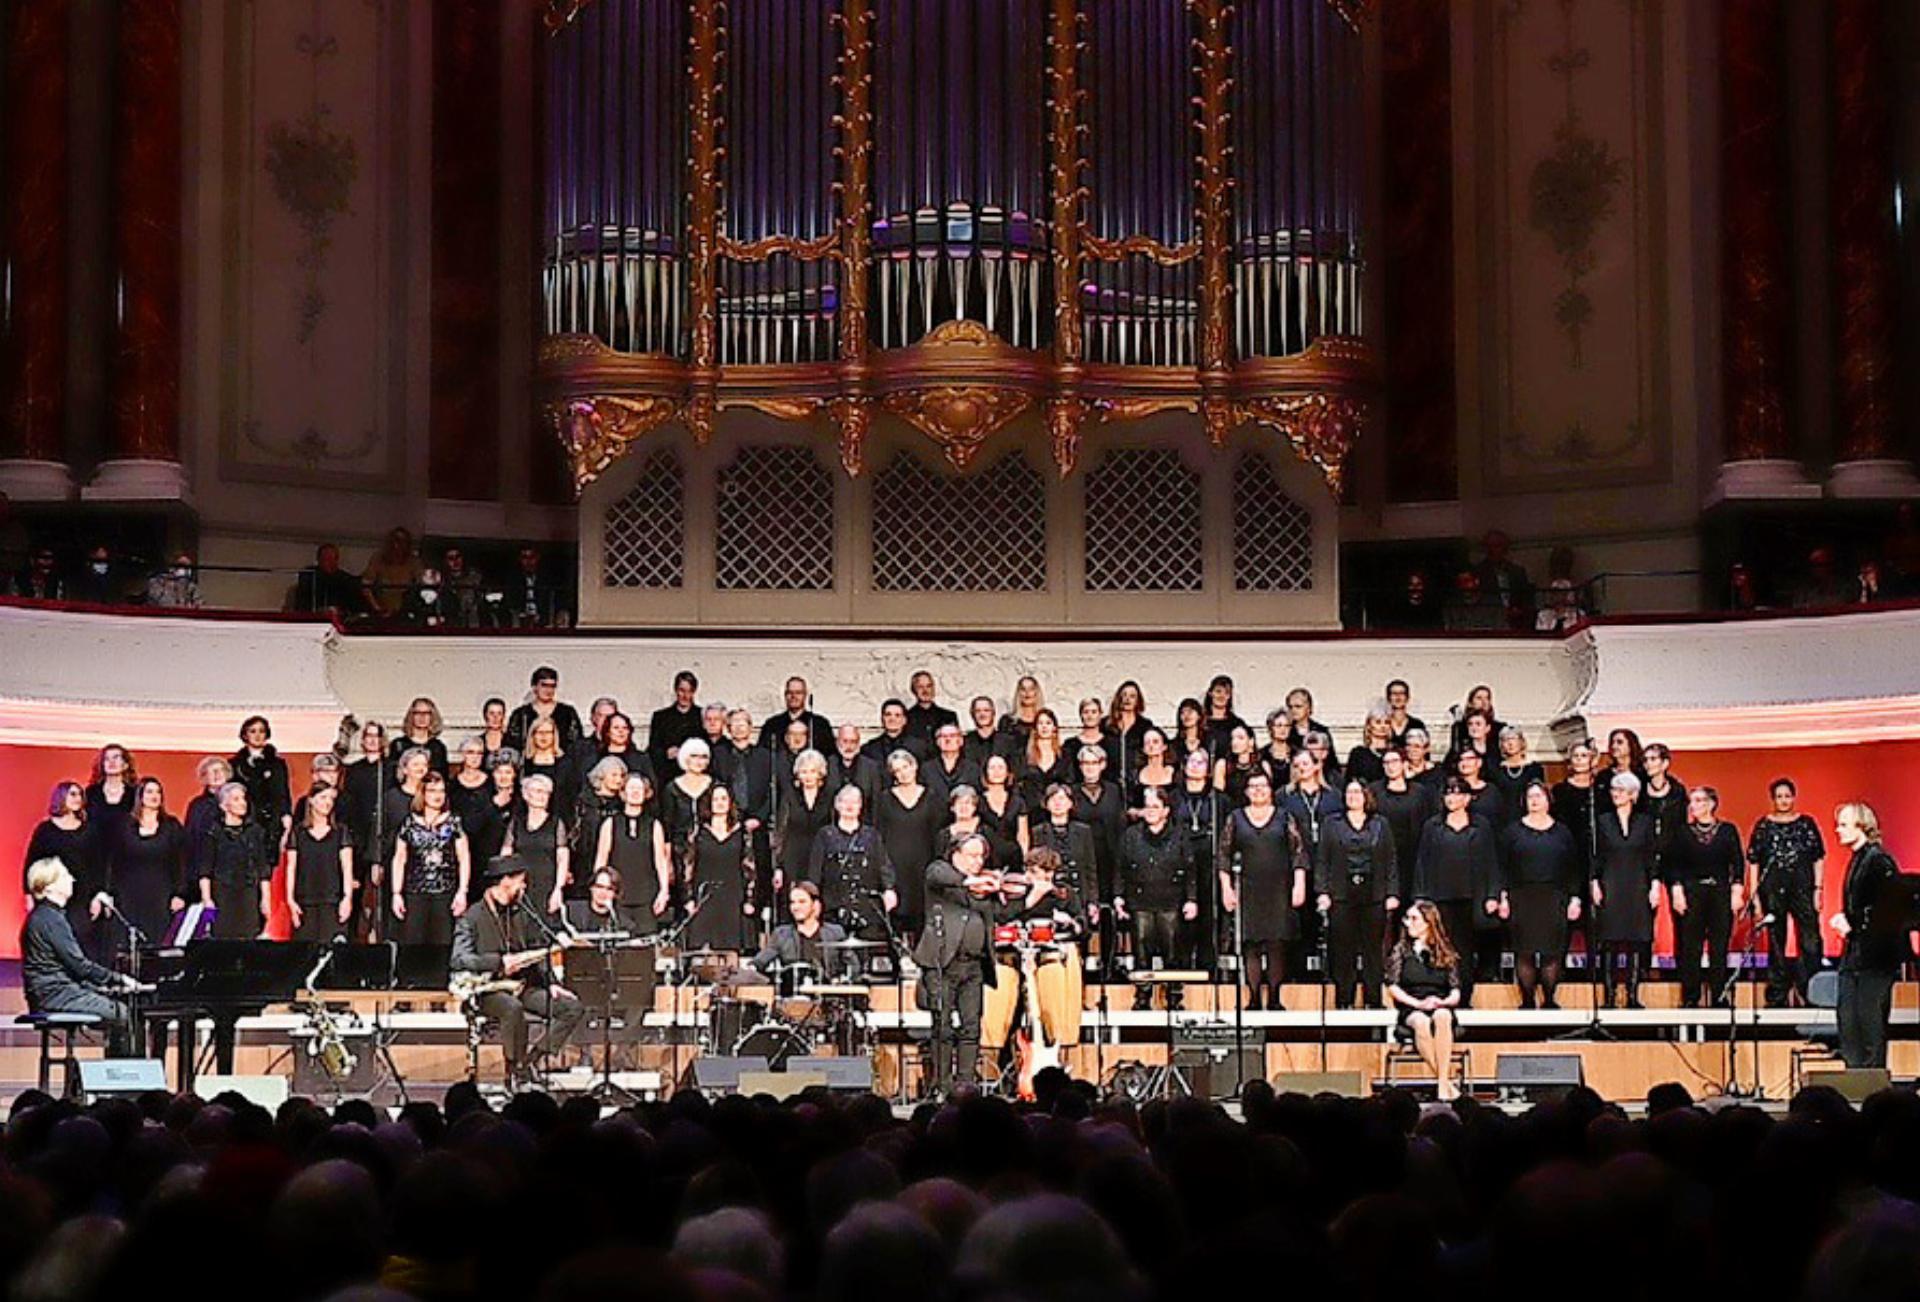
x=539, y=836
x=1625, y=890
x=680, y=806
x=1424, y=982
x=1514, y=772
x=1156, y=771
x=1356, y=877
x=320, y=881
x=1706, y=885
x=203, y=811
x=1093, y=726
x=1263, y=880
x=1457, y=866
x=721, y=865
x=1016, y=725
x=1220, y=718
x=1366, y=761
x=1479, y=701
x=264, y=772
x=1320, y=746
x=1406, y=805
x=1276, y=757
x=908, y=817
x=1663, y=798
x=544, y=755
x=1043, y=760
x=236, y=865
x=66, y=834
x=1542, y=880
x=110, y=793
x=805, y=808
x=963, y=820
x=1001, y=807
x=147, y=865
x=1240, y=762
x=493, y=726
x=432, y=866
x=1625, y=754
x=422, y=728
x=1418, y=746
x=472, y=784
x=487, y=833
x=1127, y=725
x=1199, y=812
x=1190, y=733
x=634, y=844
x=1074, y=842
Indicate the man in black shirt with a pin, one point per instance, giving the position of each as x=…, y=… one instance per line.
x=325, y=587
x=566, y=720
x=985, y=740
x=673, y=724
x=949, y=767
x=804, y=940
x=926, y=715
x=57, y=976
x=956, y=958
x=799, y=709
x=490, y=942
x=848, y=765
x=895, y=736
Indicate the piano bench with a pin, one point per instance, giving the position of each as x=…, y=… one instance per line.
x=67, y=1026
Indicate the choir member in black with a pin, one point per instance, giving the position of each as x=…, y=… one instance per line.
x=472, y=785
x=1477, y=737
x=955, y=957
x=793, y=744
x=493, y=726
x=1481, y=699
x=671, y=725
x=1376, y=737
x=1200, y=809
x=544, y=756
x=1093, y=726
x=926, y=715
x=110, y=793
x=1190, y=732
x=849, y=861
x=1043, y=760
x=909, y=817
x=1399, y=697
x=1263, y=867
x=615, y=741
x=805, y=811
x=67, y=834
x=320, y=880
x=1625, y=889
x=749, y=777
x=893, y=736
x=1790, y=858
x=1016, y=725
x=1625, y=754
x=634, y=844
x=1001, y=807
x=1356, y=882
x=799, y=709
x=1425, y=983
x=323, y=769
x=1240, y=761
x=544, y=703
x=366, y=779
x=1420, y=766
x=603, y=708
x=1073, y=845
x=1663, y=798
x=713, y=730
x=1706, y=886
x=147, y=865
x=1309, y=801
x=985, y=737
x=1276, y=757
x=963, y=820
x=1100, y=805
x=1488, y=803
x=423, y=728
x=432, y=864
x=849, y=766
x=720, y=881
x=203, y=811
x=258, y=766
x=1576, y=801
x=1542, y=877
x=680, y=807
x=950, y=767
x=1406, y=805
x=1126, y=729
x=1158, y=890
x=55, y=974
x=1155, y=772
x=1457, y=865
x=1300, y=720
x=492, y=940
x=235, y=867
x=600, y=799
x=1221, y=719
x=1514, y=772
x=1320, y=746
x=537, y=836
x=1876, y=923
x=412, y=774
x=804, y=941
x=487, y=831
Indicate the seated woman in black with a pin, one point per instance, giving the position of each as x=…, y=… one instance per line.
x=1423, y=983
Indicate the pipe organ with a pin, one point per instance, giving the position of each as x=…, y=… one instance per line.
x=955, y=213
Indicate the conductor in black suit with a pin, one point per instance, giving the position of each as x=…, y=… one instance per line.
x=955, y=956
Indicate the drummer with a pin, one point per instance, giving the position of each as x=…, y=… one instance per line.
x=1050, y=912
x=806, y=941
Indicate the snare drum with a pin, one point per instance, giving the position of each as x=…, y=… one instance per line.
x=1040, y=933
x=1006, y=935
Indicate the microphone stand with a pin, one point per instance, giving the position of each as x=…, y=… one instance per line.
x=1730, y=992
x=135, y=939
x=897, y=949
x=1326, y=976
x=1240, y=978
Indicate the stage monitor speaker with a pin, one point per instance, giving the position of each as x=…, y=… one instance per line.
x=779, y=1084
x=104, y=1077
x=1533, y=1075
x=1346, y=1084
x=268, y=1092
x=837, y=1073
x=1856, y=1084
x=718, y=1073
x=1211, y=1073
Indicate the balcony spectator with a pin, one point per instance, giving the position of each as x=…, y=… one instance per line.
x=1472, y=605
x=1505, y=580
x=426, y=603
x=393, y=572
x=99, y=578
x=1867, y=588
x=40, y=580
x=530, y=600
x=463, y=593
x=176, y=586
x=1419, y=606
x=326, y=589
x=1562, y=608
x=1822, y=585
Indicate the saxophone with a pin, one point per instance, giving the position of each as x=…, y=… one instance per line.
x=329, y=1046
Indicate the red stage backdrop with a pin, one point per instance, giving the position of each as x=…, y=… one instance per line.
x=1877, y=772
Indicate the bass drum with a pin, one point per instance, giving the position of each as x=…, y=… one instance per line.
x=774, y=1041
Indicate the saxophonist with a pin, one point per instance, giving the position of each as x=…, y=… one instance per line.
x=493, y=941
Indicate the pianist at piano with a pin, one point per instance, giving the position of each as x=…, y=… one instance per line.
x=58, y=977
x=507, y=964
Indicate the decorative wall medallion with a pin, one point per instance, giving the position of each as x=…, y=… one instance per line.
x=959, y=417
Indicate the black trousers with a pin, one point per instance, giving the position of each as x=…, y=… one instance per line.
x=953, y=996
x=560, y=1015
x=1866, y=999
x=1791, y=903
x=1707, y=922
x=429, y=920
x=1357, y=932
x=114, y=1019
x=1156, y=936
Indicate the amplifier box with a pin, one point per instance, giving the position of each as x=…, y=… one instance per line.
x=719, y=1073
x=1346, y=1084
x=838, y=1073
x=1531, y=1075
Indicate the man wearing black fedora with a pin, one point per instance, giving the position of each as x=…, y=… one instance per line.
x=507, y=960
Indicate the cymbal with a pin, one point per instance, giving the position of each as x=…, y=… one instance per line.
x=853, y=943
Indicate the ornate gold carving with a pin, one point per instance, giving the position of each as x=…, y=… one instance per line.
x=560, y=350
x=1167, y=255
x=597, y=431
x=1220, y=418
x=779, y=408
x=1322, y=427
x=959, y=334
x=855, y=152
x=1113, y=409
x=1064, y=417
x=854, y=418
x=702, y=409
x=959, y=417
x=1215, y=183
x=768, y=245
x=1065, y=164
x=703, y=210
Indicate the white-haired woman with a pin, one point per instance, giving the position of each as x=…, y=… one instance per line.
x=680, y=803
x=539, y=836
x=1625, y=891
x=1376, y=736
x=805, y=809
x=235, y=865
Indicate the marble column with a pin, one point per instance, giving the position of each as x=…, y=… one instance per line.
x=33, y=253
x=143, y=438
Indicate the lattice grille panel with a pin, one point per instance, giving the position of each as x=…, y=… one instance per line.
x=774, y=517
x=1143, y=527
x=943, y=533
x=1272, y=533
x=644, y=544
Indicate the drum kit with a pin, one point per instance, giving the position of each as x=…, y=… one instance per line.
x=810, y=1012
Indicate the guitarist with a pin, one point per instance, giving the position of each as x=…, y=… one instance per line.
x=492, y=941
